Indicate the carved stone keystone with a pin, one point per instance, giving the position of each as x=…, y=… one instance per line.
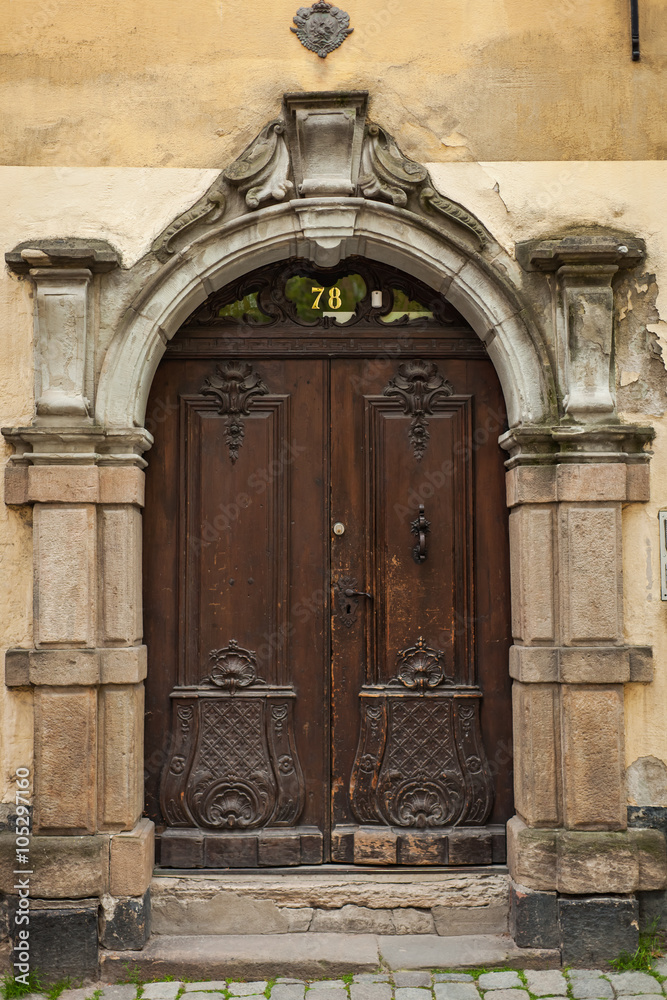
x=326, y=133
x=320, y=151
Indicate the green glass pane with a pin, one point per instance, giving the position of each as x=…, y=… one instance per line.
x=245, y=309
x=338, y=298
x=403, y=306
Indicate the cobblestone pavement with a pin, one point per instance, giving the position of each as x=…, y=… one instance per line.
x=579, y=984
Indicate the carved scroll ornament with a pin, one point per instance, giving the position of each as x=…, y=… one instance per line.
x=373, y=163
x=262, y=171
x=418, y=386
x=386, y=173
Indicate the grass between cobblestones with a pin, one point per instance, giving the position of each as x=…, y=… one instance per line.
x=651, y=946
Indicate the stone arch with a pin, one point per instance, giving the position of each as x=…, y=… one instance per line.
x=326, y=233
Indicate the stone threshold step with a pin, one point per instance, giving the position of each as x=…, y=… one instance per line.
x=309, y=956
x=374, y=872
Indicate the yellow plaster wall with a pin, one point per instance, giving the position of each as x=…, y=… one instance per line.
x=16, y=408
x=515, y=200
x=166, y=83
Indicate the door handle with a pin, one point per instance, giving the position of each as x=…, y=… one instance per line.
x=347, y=597
x=420, y=527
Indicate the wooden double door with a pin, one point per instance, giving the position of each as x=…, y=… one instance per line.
x=326, y=599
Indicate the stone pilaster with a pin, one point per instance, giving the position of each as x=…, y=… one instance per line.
x=87, y=664
x=566, y=485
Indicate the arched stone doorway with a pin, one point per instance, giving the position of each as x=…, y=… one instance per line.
x=327, y=579
x=545, y=314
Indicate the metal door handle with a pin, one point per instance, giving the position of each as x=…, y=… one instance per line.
x=420, y=527
x=347, y=599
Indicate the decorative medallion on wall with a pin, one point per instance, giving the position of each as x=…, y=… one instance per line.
x=322, y=27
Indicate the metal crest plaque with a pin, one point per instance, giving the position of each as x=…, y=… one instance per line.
x=322, y=27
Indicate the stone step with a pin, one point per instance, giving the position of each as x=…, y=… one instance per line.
x=308, y=956
x=330, y=899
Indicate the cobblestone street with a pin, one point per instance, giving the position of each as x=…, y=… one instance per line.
x=579, y=984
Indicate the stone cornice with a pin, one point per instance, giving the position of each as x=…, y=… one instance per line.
x=56, y=443
x=581, y=250
x=577, y=444
x=97, y=256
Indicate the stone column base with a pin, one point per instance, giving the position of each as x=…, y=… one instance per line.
x=63, y=938
x=86, y=892
x=588, y=930
x=125, y=923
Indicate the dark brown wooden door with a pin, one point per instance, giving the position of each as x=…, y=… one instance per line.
x=417, y=483
x=326, y=600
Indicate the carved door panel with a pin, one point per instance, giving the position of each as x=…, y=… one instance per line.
x=237, y=627
x=420, y=626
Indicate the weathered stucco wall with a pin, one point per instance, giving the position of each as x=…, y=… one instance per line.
x=516, y=201
x=186, y=85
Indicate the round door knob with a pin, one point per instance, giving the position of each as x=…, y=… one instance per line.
x=338, y=528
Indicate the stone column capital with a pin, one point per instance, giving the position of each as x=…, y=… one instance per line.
x=62, y=442
x=584, y=266
x=582, y=252
x=573, y=443
x=35, y=257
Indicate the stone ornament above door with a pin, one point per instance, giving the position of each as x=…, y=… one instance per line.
x=322, y=146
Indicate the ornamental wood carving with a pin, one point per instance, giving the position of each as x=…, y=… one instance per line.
x=418, y=386
x=234, y=385
x=261, y=686
x=274, y=308
x=420, y=761
x=234, y=764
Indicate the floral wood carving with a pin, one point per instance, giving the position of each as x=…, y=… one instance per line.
x=322, y=27
x=262, y=171
x=418, y=386
x=234, y=385
x=420, y=667
x=232, y=667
